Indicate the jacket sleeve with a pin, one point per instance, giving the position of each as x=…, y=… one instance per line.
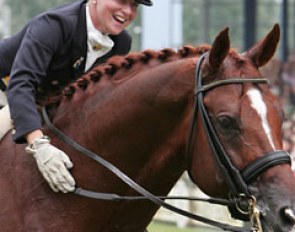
x=8, y=49
x=41, y=40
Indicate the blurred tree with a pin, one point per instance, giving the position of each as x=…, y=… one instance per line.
x=205, y=18
x=135, y=30
x=202, y=19
x=22, y=11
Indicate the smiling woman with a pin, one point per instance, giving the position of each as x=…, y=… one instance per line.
x=112, y=16
x=52, y=50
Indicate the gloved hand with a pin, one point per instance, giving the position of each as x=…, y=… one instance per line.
x=53, y=164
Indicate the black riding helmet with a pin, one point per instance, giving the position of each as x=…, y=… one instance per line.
x=145, y=2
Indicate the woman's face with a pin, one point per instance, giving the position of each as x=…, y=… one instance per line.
x=112, y=16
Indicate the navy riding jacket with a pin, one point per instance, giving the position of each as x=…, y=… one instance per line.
x=48, y=53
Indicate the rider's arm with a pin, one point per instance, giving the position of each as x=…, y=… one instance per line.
x=36, y=134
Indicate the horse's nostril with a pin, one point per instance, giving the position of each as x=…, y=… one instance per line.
x=289, y=214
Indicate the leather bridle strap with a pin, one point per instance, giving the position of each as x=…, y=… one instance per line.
x=232, y=176
x=132, y=183
x=236, y=180
x=255, y=168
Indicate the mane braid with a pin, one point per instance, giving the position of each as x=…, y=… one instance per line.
x=116, y=63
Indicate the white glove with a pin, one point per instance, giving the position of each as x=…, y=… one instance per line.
x=53, y=164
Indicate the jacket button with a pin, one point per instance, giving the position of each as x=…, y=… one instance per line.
x=54, y=82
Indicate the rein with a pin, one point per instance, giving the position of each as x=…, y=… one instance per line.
x=145, y=193
x=236, y=180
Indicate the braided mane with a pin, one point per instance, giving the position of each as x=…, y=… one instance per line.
x=118, y=68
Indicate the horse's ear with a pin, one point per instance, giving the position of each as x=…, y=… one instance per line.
x=219, y=50
x=264, y=50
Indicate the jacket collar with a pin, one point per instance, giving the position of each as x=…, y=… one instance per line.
x=79, y=47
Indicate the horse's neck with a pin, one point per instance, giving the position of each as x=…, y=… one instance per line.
x=169, y=85
x=141, y=120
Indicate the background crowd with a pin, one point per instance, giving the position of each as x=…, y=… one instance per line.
x=282, y=83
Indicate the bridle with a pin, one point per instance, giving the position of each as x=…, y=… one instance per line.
x=236, y=180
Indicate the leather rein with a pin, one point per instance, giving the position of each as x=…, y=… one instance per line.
x=237, y=180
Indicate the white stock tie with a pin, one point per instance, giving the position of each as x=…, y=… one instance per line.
x=98, y=45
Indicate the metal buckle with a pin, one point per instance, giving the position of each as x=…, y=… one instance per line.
x=247, y=205
x=255, y=216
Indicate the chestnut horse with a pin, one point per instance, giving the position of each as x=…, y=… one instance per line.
x=136, y=112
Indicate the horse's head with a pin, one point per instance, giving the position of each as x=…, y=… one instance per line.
x=246, y=118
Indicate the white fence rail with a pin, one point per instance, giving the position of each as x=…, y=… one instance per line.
x=184, y=187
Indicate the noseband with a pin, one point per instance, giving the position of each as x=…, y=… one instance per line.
x=236, y=180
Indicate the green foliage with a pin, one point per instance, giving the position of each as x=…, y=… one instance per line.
x=135, y=31
x=202, y=19
x=22, y=11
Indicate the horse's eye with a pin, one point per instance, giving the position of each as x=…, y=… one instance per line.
x=226, y=122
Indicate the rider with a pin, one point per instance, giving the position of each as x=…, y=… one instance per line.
x=50, y=51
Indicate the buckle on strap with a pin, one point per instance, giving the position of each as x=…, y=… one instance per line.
x=247, y=205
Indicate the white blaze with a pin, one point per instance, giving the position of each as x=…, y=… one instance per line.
x=259, y=106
